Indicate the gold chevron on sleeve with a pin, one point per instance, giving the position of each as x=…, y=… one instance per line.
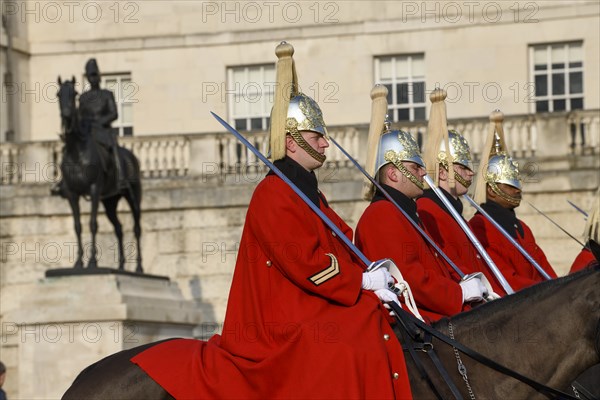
x=327, y=273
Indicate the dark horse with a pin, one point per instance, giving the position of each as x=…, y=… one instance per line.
x=549, y=332
x=88, y=171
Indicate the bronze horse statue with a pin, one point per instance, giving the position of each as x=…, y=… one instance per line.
x=87, y=170
x=549, y=333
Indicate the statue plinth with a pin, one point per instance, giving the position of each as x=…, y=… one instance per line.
x=75, y=319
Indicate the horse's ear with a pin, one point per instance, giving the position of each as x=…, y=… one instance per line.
x=73, y=79
x=59, y=80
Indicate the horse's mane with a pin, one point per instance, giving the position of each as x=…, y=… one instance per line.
x=77, y=132
x=529, y=295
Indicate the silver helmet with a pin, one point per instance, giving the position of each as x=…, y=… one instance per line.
x=502, y=169
x=304, y=114
x=459, y=150
x=395, y=147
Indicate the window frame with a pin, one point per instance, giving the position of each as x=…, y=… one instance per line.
x=411, y=105
x=266, y=96
x=550, y=71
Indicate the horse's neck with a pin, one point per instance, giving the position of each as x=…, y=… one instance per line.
x=539, y=329
x=75, y=142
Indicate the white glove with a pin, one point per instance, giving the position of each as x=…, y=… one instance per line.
x=473, y=290
x=387, y=296
x=492, y=296
x=378, y=279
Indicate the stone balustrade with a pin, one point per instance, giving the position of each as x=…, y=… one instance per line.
x=167, y=156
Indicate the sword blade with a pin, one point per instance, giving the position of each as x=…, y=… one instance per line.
x=555, y=224
x=306, y=200
x=508, y=237
x=461, y=222
x=579, y=209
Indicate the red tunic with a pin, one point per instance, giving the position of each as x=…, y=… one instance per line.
x=518, y=272
x=383, y=232
x=453, y=241
x=584, y=259
x=297, y=325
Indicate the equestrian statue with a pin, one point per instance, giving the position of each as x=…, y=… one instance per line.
x=93, y=165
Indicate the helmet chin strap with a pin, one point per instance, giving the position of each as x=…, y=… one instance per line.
x=462, y=180
x=458, y=177
x=409, y=174
x=515, y=201
x=292, y=129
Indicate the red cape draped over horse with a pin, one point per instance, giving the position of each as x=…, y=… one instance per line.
x=297, y=325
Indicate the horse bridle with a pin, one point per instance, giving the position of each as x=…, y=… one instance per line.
x=421, y=334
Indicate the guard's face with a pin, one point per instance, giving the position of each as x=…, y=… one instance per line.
x=512, y=192
x=314, y=140
x=466, y=174
x=409, y=188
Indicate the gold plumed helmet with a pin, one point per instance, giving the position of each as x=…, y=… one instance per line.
x=304, y=114
x=292, y=110
x=459, y=150
x=395, y=147
x=385, y=146
x=443, y=147
x=502, y=169
x=497, y=166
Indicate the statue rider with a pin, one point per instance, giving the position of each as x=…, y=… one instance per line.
x=97, y=110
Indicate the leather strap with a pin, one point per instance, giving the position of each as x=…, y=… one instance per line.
x=442, y=371
x=410, y=345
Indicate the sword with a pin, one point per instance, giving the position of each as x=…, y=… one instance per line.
x=579, y=209
x=459, y=219
x=387, y=196
x=507, y=236
x=555, y=224
x=308, y=202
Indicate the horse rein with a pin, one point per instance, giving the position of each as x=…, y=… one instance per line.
x=406, y=319
x=424, y=344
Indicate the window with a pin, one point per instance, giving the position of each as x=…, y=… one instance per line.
x=404, y=77
x=557, y=71
x=250, y=92
x=125, y=95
